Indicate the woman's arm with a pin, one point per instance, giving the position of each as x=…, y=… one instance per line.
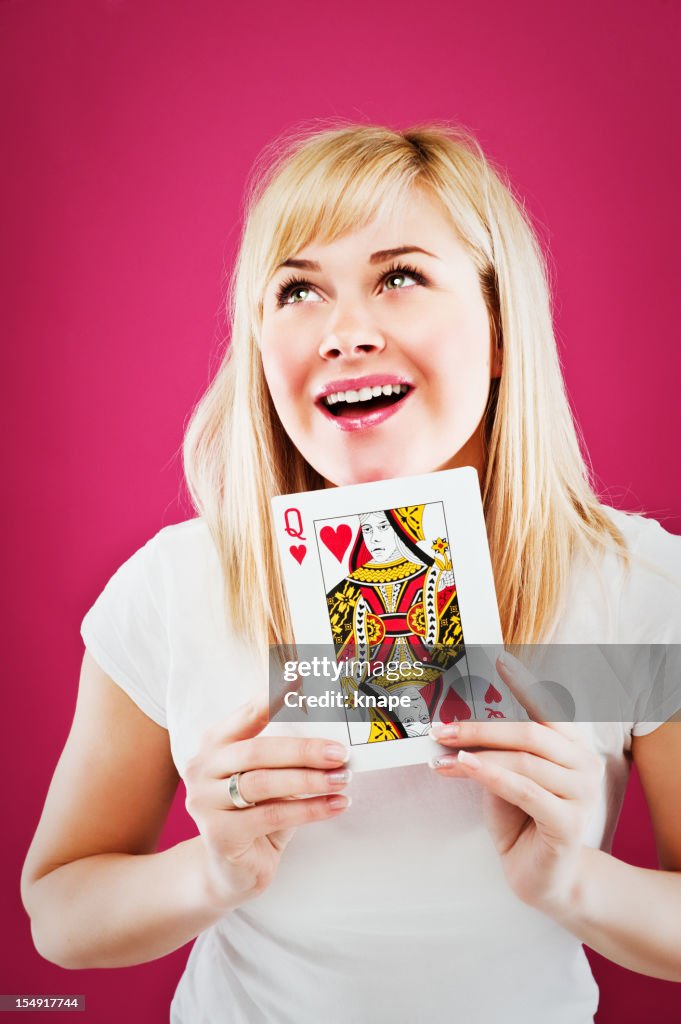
x=541, y=782
x=96, y=893
x=629, y=914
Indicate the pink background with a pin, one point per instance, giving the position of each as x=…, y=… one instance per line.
x=128, y=130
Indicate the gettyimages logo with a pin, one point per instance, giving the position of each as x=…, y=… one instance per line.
x=327, y=667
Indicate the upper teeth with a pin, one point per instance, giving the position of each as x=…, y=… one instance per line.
x=364, y=394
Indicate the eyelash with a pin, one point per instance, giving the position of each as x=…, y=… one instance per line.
x=291, y=283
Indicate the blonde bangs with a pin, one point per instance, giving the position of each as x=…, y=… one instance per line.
x=320, y=196
x=320, y=188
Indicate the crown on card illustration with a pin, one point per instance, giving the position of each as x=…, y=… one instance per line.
x=410, y=518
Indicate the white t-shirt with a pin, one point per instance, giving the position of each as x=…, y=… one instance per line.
x=398, y=908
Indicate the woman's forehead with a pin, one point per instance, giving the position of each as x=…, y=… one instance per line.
x=387, y=224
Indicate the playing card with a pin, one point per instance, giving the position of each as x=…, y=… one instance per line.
x=390, y=583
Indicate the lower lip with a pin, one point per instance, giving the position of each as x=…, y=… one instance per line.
x=362, y=421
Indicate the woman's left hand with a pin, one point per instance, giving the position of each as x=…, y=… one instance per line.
x=541, y=782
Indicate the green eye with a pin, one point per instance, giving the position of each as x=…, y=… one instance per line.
x=294, y=292
x=400, y=275
x=298, y=294
x=395, y=278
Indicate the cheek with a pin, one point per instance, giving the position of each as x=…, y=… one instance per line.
x=274, y=376
x=282, y=370
x=459, y=353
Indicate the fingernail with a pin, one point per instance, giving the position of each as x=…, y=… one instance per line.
x=508, y=661
x=469, y=759
x=446, y=761
x=445, y=732
x=339, y=803
x=339, y=778
x=335, y=752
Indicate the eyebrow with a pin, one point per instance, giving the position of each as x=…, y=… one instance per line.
x=382, y=256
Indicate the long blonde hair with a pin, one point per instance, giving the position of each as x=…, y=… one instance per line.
x=540, y=507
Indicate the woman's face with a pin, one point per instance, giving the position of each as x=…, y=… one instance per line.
x=377, y=349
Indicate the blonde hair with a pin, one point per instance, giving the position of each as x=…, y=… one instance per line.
x=540, y=507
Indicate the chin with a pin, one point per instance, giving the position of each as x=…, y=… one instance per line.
x=357, y=474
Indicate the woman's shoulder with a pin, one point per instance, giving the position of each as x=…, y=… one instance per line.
x=184, y=563
x=637, y=600
x=610, y=599
x=176, y=559
x=181, y=542
x=187, y=533
x=647, y=539
x=653, y=572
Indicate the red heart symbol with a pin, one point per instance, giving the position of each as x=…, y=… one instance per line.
x=454, y=708
x=336, y=540
x=298, y=551
x=492, y=696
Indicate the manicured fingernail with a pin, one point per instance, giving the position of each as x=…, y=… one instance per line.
x=339, y=778
x=335, y=752
x=444, y=731
x=469, y=760
x=446, y=761
x=339, y=803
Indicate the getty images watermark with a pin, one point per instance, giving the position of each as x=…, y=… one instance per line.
x=326, y=667
x=568, y=682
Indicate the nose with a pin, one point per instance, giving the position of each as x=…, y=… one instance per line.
x=351, y=340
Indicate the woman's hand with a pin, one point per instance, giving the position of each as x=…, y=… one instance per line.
x=243, y=846
x=541, y=782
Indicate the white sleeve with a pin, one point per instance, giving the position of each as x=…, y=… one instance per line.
x=660, y=593
x=125, y=632
x=664, y=699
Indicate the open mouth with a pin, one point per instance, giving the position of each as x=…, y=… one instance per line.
x=347, y=404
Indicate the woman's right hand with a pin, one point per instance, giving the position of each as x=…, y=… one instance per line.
x=242, y=846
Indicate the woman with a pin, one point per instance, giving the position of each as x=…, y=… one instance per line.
x=398, y=259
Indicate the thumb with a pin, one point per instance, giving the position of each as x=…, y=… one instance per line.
x=282, y=838
x=248, y=720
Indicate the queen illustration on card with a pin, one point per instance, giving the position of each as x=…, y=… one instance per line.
x=394, y=613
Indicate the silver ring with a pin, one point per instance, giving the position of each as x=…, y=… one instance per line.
x=235, y=793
